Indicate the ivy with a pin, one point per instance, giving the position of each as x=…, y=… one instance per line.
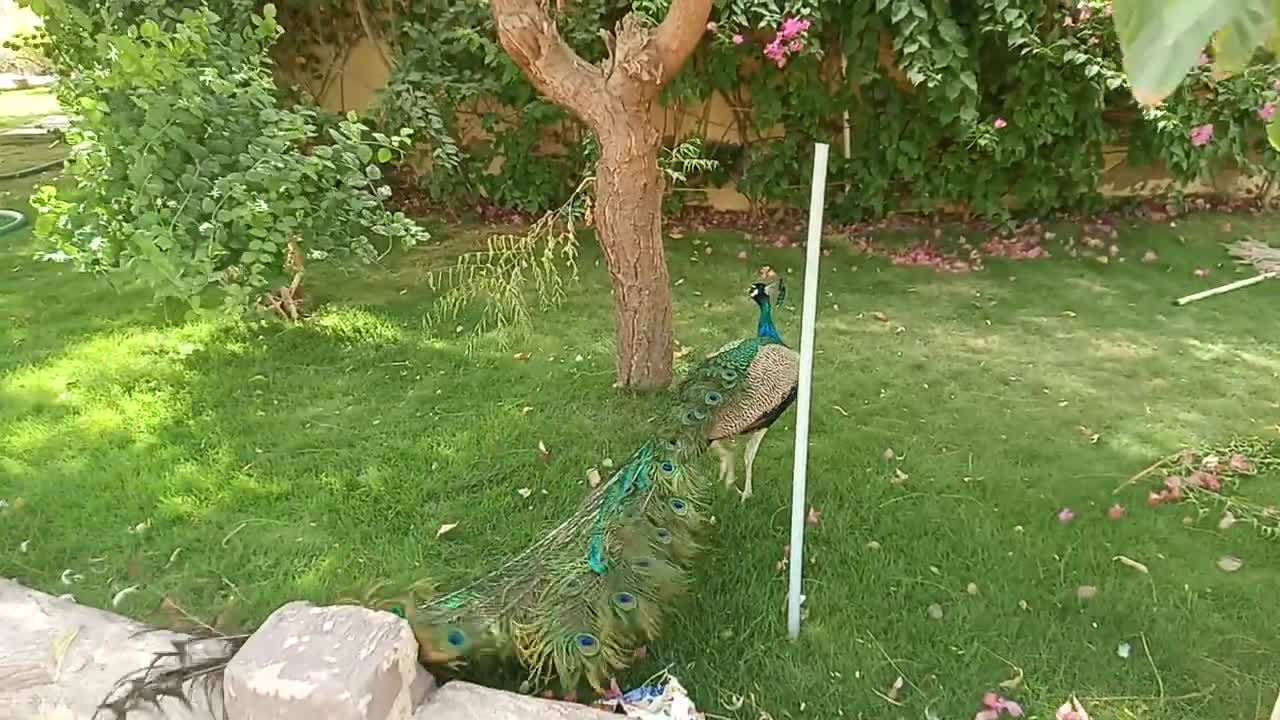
x=1002, y=107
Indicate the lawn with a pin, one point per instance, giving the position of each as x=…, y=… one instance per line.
x=230, y=469
x=19, y=108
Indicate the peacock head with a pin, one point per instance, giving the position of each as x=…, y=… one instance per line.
x=761, y=293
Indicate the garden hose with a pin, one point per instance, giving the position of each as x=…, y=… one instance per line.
x=11, y=220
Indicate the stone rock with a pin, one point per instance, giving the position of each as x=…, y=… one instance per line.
x=60, y=660
x=336, y=663
x=460, y=700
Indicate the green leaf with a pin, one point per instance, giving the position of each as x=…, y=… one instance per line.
x=364, y=152
x=1236, y=43
x=373, y=172
x=1273, y=132
x=1161, y=40
x=269, y=11
x=384, y=155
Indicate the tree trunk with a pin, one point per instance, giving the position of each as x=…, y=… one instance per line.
x=615, y=99
x=628, y=219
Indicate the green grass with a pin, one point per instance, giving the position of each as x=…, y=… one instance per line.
x=267, y=464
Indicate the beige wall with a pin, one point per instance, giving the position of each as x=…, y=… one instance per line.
x=364, y=72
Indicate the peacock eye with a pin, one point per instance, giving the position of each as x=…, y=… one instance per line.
x=667, y=467
x=664, y=536
x=679, y=506
x=456, y=638
x=587, y=644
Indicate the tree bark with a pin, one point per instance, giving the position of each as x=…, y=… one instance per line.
x=616, y=100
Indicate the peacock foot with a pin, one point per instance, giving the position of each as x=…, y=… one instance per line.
x=745, y=493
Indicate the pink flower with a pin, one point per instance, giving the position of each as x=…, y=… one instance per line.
x=1266, y=112
x=1065, y=515
x=792, y=27
x=1276, y=86
x=1000, y=123
x=1066, y=712
x=996, y=705
x=1085, y=13
x=814, y=518
x=1154, y=498
x=738, y=39
x=711, y=26
x=1201, y=135
x=1115, y=512
x=1204, y=59
x=1068, y=21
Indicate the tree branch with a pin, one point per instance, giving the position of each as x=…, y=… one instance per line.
x=679, y=34
x=367, y=25
x=531, y=39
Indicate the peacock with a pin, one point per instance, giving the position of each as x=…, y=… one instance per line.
x=764, y=400
x=576, y=604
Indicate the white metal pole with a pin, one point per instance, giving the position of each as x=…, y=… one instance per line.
x=805, y=392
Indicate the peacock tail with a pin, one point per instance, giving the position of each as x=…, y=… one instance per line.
x=577, y=603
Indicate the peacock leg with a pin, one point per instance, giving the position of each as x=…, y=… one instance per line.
x=749, y=457
x=726, y=463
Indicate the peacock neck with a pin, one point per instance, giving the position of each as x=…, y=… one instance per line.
x=765, y=328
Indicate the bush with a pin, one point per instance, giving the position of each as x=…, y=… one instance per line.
x=187, y=175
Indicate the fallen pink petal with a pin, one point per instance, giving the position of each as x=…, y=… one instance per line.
x=711, y=26
x=1115, y=512
x=1000, y=123
x=1066, y=515
x=814, y=518
x=1240, y=463
x=738, y=39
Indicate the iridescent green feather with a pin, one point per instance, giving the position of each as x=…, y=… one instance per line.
x=577, y=603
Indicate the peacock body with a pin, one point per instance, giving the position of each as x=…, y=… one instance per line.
x=577, y=603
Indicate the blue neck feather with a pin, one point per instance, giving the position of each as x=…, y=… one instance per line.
x=765, y=328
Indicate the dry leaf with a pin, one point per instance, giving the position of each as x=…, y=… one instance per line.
x=873, y=545
x=24, y=546
x=526, y=410
x=971, y=588
x=593, y=477
x=70, y=577
x=888, y=454
x=522, y=355
x=525, y=492
x=899, y=477
x=880, y=316
x=445, y=528
x=1230, y=563
x=895, y=688
x=120, y=596
x=841, y=410
x=935, y=611
x=1014, y=682
x=1085, y=593
x=1124, y=649
x=1227, y=520
x=60, y=648
x=1128, y=562
x=543, y=453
